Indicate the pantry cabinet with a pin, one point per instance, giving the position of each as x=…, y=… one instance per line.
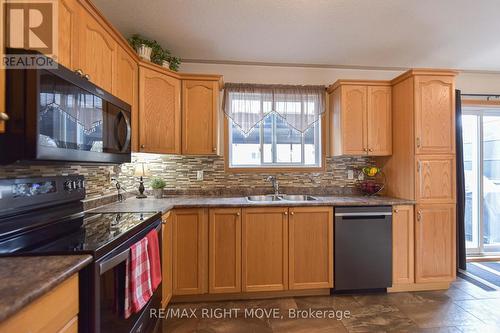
x=159, y=111
x=166, y=259
x=435, y=243
x=264, y=249
x=361, y=115
x=310, y=242
x=434, y=114
x=200, y=105
x=224, y=250
x=402, y=245
x=190, y=251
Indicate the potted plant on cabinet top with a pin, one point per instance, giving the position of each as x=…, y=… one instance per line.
x=152, y=51
x=157, y=184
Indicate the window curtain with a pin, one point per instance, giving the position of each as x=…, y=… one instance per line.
x=248, y=104
x=461, y=251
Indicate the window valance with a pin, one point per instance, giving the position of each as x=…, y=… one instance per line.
x=248, y=104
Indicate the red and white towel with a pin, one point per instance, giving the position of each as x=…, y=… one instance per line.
x=138, y=288
x=143, y=273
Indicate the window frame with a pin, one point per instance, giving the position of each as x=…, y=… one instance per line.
x=283, y=167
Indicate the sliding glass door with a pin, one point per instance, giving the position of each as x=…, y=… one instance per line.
x=481, y=136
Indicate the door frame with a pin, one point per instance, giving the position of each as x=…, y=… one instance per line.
x=481, y=109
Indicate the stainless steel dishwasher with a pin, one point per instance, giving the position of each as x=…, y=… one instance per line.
x=363, y=248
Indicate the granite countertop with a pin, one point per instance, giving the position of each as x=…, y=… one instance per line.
x=24, y=279
x=167, y=203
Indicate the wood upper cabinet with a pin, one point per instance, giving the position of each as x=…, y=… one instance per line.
x=379, y=121
x=224, y=250
x=97, y=50
x=361, y=118
x=69, y=14
x=353, y=104
x=190, y=251
x=435, y=243
x=435, y=181
x=310, y=231
x=166, y=259
x=199, y=117
x=159, y=112
x=402, y=245
x=126, y=87
x=434, y=114
x=264, y=249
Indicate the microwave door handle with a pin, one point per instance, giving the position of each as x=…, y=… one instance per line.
x=113, y=262
x=129, y=132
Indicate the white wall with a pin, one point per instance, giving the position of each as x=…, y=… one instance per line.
x=467, y=82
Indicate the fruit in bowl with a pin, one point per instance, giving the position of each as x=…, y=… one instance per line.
x=370, y=187
x=371, y=171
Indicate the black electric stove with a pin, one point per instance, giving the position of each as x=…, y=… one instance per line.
x=44, y=216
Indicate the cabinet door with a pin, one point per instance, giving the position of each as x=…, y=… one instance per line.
x=166, y=259
x=68, y=33
x=199, y=117
x=379, y=123
x=353, y=117
x=126, y=87
x=434, y=115
x=435, y=243
x=97, y=51
x=159, y=112
x=265, y=249
x=402, y=245
x=224, y=250
x=310, y=231
x=435, y=179
x=190, y=250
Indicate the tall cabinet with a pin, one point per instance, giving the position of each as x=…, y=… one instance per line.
x=422, y=168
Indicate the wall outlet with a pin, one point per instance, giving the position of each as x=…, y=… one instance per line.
x=199, y=175
x=350, y=174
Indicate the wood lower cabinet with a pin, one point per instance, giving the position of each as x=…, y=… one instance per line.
x=264, y=249
x=434, y=114
x=310, y=231
x=403, y=271
x=435, y=243
x=159, y=112
x=166, y=259
x=435, y=181
x=56, y=311
x=224, y=250
x=190, y=251
x=200, y=107
x=97, y=50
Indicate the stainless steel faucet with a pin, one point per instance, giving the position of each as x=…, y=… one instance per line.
x=275, y=184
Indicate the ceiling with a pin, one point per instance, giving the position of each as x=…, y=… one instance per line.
x=460, y=34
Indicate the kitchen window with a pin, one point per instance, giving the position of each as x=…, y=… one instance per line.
x=274, y=126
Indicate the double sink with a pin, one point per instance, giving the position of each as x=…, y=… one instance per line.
x=281, y=197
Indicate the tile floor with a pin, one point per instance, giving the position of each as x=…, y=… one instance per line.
x=463, y=308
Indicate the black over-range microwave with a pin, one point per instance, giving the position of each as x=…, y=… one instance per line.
x=58, y=115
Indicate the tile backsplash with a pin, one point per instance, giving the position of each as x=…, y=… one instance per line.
x=180, y=174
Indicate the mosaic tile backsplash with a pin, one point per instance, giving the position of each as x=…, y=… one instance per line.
x=180, y=174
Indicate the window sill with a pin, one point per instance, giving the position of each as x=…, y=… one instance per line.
x=273, y=169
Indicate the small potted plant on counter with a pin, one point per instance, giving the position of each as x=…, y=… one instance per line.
x=157, y=184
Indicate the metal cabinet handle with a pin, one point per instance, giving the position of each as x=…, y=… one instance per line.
x=86, y=77
x=370, y=149
x=418, y=142
x=79, y=72
x=4, y=116
x=396, y=210
x=238, y=214
x=214, y=149
x=419, y=215
x=286, y=213
x=292, y=213
x=419, y=165
x=142, y=146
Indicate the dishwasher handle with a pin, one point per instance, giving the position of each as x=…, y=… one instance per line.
x=372, y=214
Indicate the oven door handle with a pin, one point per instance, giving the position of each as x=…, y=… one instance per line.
x=113, y=262
x=119, y=258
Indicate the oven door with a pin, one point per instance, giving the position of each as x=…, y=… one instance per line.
x=111, y=295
